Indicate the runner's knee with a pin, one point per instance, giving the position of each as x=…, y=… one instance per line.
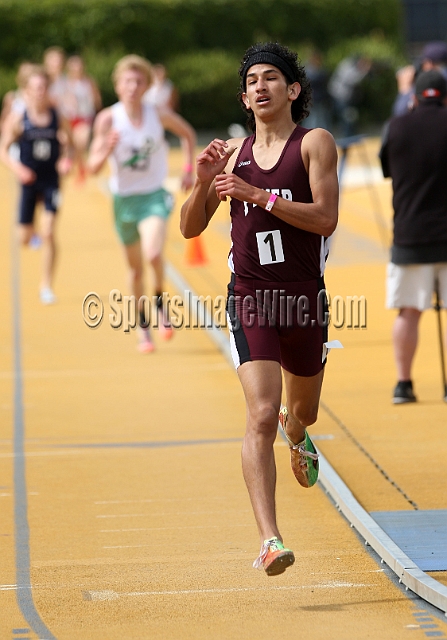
x=136, y=274
x=154, y=257
x=264, y=418
x=25, y=235
x=304, y=414
x=47, y=234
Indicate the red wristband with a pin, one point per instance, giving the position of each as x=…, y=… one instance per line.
x=187, y=168
x=271, y=202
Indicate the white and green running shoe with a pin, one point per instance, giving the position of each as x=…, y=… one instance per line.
x=303, y=456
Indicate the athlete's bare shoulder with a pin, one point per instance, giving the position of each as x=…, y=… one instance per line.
x=234, y=146
x=318, y=143
x=319, y=136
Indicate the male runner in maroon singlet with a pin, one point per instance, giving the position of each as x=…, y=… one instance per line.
x=283, y=186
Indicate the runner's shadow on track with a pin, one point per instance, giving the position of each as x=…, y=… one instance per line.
x=343, y=606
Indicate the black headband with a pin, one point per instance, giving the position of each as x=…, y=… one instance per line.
x=268, y=57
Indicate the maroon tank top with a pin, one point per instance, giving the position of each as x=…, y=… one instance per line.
x=263, y=246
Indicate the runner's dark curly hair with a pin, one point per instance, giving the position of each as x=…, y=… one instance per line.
x=288, y=63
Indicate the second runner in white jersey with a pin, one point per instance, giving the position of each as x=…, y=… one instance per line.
x=139, y=161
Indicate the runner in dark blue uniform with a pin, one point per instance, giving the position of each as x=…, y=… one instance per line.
x=38, y=132
x=39, y=151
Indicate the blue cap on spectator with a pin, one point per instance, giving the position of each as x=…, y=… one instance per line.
x=435, y=51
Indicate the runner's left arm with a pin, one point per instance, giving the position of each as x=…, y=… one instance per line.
x=65, y=161
x=97, y=98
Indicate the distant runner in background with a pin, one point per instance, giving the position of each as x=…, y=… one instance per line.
x=131, y=134
x=54, y=65
x=40, y=133
x=81, y=103
x=15, y=100
x=162, y=92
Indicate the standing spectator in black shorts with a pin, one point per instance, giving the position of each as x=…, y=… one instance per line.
x=282, y=181
x=414, y=155
x=39, y=132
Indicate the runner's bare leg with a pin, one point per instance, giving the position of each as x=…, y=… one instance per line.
x=261, y=381
x=302, y=401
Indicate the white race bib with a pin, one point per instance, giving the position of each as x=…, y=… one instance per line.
x=41, y=150
x=270, y=247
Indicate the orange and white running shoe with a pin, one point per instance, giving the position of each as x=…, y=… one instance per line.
x=145, y=344
x=164, y=326
x=274, y=558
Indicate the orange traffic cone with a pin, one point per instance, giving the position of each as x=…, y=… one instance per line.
x=195, y=255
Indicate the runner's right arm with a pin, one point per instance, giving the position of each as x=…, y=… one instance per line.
x=103, y=143
x=8, y=100
x=199, y=208
x=11, y=132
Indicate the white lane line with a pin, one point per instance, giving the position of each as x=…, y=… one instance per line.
x=147, y=500
x=9, y=495
x=129, y=546
x=113, y=595
x=154, y=529
x=174, y=514
x=14, y=587
x=205, y=526
x=155, y=500
x=8, y=587
x=127, y=515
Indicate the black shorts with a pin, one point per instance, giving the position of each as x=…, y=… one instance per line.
x=48, y=193
x=281, y=321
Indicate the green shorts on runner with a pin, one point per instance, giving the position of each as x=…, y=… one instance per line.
x=131, y=210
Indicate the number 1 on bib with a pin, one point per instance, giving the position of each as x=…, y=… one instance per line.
x=270, y=248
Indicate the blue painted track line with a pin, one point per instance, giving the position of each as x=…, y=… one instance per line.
x=22, y=534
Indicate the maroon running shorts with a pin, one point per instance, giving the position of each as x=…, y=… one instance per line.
x=281, y=321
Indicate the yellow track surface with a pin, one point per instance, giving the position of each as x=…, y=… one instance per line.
x=138, y=518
